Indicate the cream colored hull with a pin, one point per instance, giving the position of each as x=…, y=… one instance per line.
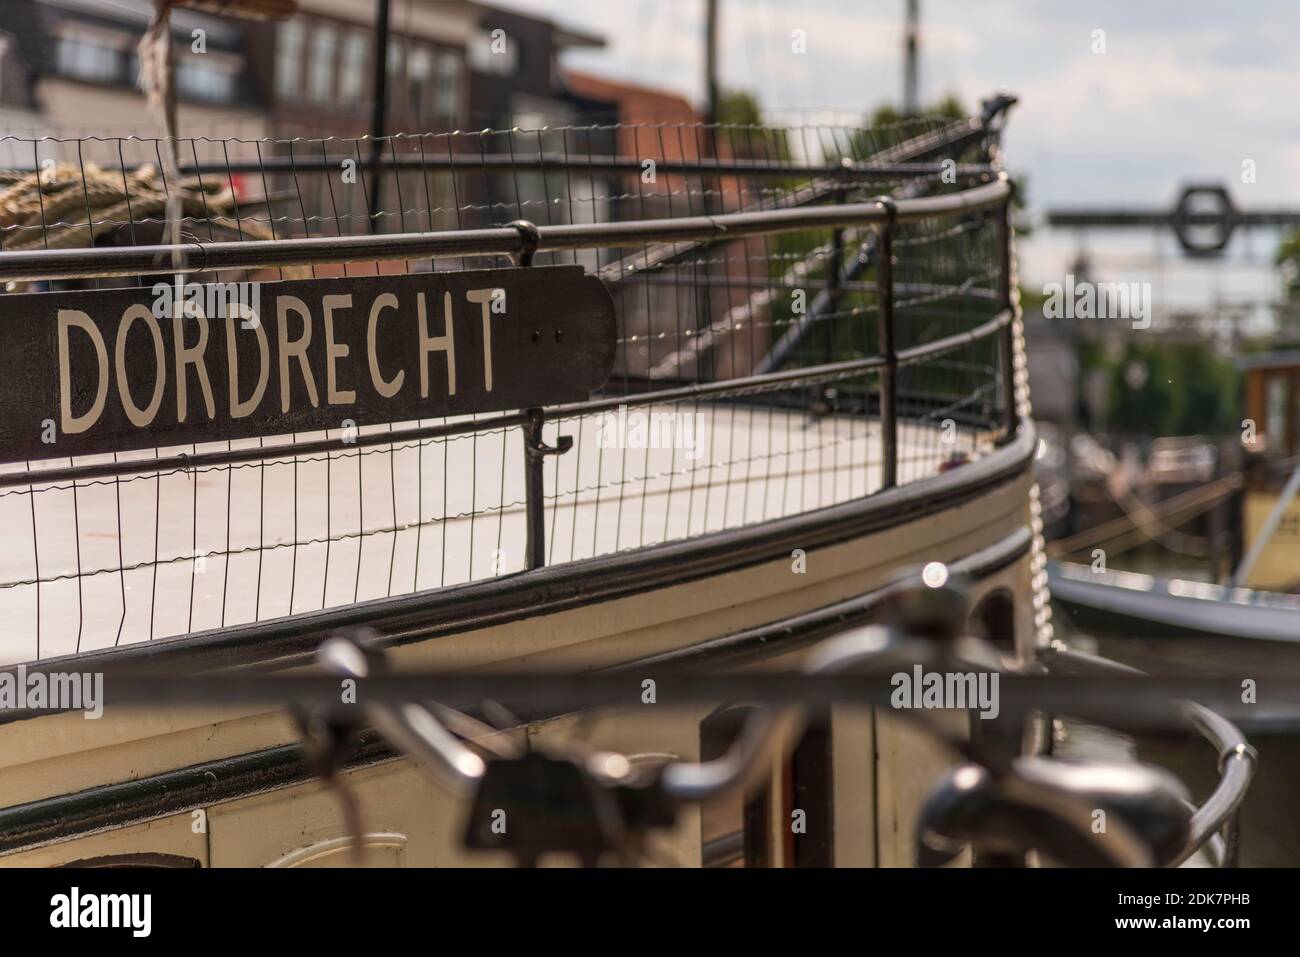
x=411, y=822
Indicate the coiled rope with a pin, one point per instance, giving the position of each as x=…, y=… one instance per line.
x=66, y=206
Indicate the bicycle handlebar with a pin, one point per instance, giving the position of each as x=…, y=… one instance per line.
x=768, y=735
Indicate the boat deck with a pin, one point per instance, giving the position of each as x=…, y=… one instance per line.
x=147, y=555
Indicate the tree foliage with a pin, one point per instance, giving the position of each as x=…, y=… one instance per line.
x=1173, y=388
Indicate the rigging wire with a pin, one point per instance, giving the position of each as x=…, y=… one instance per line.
x=1185, y=504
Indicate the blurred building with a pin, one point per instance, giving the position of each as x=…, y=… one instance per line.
x=323, y=77
x=516, y=76
x=1060, y=397
x=69, y=67
x=659, y=127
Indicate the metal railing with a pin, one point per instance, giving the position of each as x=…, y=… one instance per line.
x=899, y=364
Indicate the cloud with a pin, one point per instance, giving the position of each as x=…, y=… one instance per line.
x=1184, y=90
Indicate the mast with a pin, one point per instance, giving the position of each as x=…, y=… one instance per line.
x=378, y=119
x=712, y=108
x=910, y=81
x=711, y=60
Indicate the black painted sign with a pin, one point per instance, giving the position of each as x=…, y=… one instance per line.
x=118, y=369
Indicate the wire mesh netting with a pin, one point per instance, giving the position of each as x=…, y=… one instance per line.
x=104, y=561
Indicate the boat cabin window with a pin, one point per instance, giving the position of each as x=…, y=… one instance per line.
x=136, y=860
x=1275, y=415
x=1273, y=402
x=732, y=831
x=994, y=620
x=795, y=809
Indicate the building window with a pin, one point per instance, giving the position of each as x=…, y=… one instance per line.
x=202, y=78
x=420, y=79
x=448, y=86
x=320, y=85
x=88, y=59
x=1275, y=413
x=288, y=59
x=396, y=73
x=352, y=75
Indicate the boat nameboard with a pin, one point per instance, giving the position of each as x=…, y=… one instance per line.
x=93, y=371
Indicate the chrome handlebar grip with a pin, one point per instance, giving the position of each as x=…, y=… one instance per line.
x=767, y=736
x=1237, y=759
x=411, y=728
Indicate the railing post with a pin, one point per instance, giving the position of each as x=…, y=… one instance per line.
x=535, y=453
x=534, y=491
x=535, y=450
x=888, y=350
x=834, y=279
x=1011, y=414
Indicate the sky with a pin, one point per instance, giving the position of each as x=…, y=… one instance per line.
x=1185, y=90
